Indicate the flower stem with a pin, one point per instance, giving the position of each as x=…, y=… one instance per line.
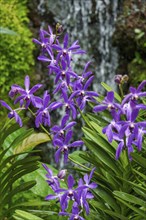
x=121, y=90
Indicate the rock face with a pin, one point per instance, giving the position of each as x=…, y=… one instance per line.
x=130, y=39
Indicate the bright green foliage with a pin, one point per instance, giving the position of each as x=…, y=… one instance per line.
x=15, y=49
x=121, y=191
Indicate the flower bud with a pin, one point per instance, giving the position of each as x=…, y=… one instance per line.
x=59, y=28
x=62, y=174
x=125, y=78
x=118, y=79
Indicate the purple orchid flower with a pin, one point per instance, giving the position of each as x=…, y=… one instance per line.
x=12, y=113
x=130, y=126
x=52, y=180
x=75, y=215
x=59, y=131
x=26, y=94
x=84, y=95
x=81, y=79
x=108, y=104
x=62, y=85
x=135, y=94
x=43, y=114
x=63, y=72
x=120, y=146
x=44, y=41
x=65, y=52
x=70, y=193
x=51, y=35
x=64, y=146
x=139, y=137
x=51, y=60
x=69, y=104
x=86, y=194
x=111, y=129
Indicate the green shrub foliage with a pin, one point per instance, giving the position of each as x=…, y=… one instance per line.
x=15, y=49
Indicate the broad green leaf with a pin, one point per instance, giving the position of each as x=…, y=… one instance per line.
x=23, y=215
x=31, y=141
x=130, y=198
x=44, y=212
x=108, y=88
x=77, y=156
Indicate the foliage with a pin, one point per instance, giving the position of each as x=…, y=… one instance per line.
x=15, y=162
x=16, y=50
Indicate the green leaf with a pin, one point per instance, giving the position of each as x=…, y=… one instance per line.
x=18, y=189
x=137, y=210
x=130, y=198
x=23, y=215
x=99, y=152
x=77, y=156
x=30, y=142
x=139, y=159
x=140, y=174
x=108, y=198
x=7, y=31
x=117, y=215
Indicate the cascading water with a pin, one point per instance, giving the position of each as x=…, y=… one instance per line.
x=92, y=22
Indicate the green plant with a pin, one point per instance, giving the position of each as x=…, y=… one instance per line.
x=16, y=161
x=16, y=50
x=121, y=184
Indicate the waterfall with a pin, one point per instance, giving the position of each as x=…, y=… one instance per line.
x=92, y=22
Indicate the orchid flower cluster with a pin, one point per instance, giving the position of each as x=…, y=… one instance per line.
x=71, y=87
x=73, y=92
x=123, y=127
x=79, y=195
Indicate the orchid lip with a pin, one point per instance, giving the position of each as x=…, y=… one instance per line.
x=70, y=193
x=132, y=125
x=76, y=217
x=65, y=148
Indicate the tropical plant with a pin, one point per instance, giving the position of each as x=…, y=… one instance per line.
x=113, y=133
x=16, y=161
x=121, y=183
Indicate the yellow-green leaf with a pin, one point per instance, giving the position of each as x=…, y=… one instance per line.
x=30, y=142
